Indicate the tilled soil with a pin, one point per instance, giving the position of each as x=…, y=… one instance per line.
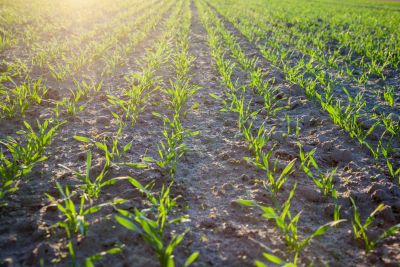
x=210, y=178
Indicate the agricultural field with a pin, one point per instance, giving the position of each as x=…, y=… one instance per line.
x=199, y=133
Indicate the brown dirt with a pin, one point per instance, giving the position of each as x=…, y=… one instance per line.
x=210, y=177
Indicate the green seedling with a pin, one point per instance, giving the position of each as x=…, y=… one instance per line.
x=178, y=94
x=92, y=187
x=392, y=125
x=324, y=181
x=360, y=229
x=75, y=222
x=271, y=101
x=23, y=155
x=151, y=224
x=172, y=147
x=59, y=72
x=287, y=118
x=388, y=95
x=274, y=180
x=256, y=143
x=137, y=95
x=9, y=173
x=287, y=223
x=35, y=144
x=89, y=261
x=71, y=104
x=182, y=62
x=297, y=130
x=238, y=105
x=112, y=150
x=275, y=260
x=20, y=98
x=395, y=173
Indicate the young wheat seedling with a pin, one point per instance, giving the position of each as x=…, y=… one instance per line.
x=360, y=229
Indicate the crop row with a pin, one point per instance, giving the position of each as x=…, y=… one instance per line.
x=77, y=203
x=351, y=114
x=19, y=98
x=261, y=144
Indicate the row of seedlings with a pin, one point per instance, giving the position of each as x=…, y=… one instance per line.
x=258, y=140
x=154, y=223
x=75, y=216
x=351, y=116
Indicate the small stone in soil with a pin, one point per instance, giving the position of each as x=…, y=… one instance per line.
x=295, y=104
x=245, y=178
x=102, y=120
x=208, y=224
x=311, y=194
x=396, y=206
x=395, y=190
x=387, y=215
x=329, y=210
x=379, y=195
x=341, y=155
x=227, y=187
x=7, y=262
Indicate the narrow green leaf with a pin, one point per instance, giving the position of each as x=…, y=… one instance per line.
x=259, y=264
x=192, y=258
x=273, y=258
x=126, y=223
x=135, y=165
x=82, y=139
x=246, y=202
